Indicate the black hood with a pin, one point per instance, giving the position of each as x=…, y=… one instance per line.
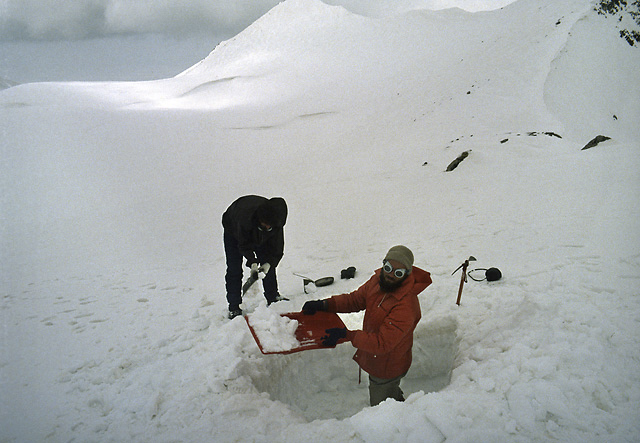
x=273, y=212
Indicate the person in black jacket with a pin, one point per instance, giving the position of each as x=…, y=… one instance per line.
x=253, y=230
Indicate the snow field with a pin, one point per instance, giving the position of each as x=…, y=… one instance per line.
x=113, y=313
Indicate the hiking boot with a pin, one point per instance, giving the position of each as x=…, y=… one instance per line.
x=233, y=313
x=277, y=299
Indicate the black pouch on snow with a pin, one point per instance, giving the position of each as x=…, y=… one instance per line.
x=491, y=274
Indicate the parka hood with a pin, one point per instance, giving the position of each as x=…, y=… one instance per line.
x=273, y=212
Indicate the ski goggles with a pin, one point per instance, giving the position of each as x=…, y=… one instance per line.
x=398, y=273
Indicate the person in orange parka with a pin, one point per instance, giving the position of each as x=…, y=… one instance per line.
x=392, y=311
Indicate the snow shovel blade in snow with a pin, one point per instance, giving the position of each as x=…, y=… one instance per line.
x=324, y=281
x=310, y=330
x=250, y=281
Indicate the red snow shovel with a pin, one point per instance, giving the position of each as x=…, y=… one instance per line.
x=311, y=329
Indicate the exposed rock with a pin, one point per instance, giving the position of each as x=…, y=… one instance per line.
x=549, y=133
x=596, y=141
x=454, y=164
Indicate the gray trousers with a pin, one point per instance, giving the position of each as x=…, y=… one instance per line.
x=381, y=389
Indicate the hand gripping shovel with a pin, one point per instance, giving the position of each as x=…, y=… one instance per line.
x=254, y=276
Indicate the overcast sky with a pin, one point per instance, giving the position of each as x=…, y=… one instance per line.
x=95, y=40
x=77, y=19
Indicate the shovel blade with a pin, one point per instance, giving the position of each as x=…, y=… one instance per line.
x=324, y=281
x=250, y=281
x=310, y=332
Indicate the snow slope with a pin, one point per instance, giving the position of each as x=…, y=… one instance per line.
x=113, y=311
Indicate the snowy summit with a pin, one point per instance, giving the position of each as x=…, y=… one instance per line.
x=113, y=308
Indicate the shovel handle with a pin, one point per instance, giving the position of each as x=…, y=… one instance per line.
x=302, y=276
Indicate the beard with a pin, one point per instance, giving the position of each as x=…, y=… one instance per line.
x=390, y=286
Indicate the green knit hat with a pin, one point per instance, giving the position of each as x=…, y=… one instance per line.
x=401, y=254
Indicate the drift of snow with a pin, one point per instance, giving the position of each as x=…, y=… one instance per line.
x=112, y=303
x=274, y=331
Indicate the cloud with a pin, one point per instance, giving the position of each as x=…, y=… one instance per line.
x=79, y=19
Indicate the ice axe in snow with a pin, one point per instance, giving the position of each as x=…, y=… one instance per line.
x=463, y=277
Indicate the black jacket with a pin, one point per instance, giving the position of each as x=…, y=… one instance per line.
x=241, y=221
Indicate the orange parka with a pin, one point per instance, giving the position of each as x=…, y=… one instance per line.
x=385, y=341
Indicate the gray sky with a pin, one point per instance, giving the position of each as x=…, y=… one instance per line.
x=95, y=40
x=78, y=19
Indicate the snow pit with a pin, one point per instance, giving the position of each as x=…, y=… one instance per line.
x=323, y=384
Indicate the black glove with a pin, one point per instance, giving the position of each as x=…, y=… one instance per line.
x=335, y=334
x=348, y=273
x=311, y=307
